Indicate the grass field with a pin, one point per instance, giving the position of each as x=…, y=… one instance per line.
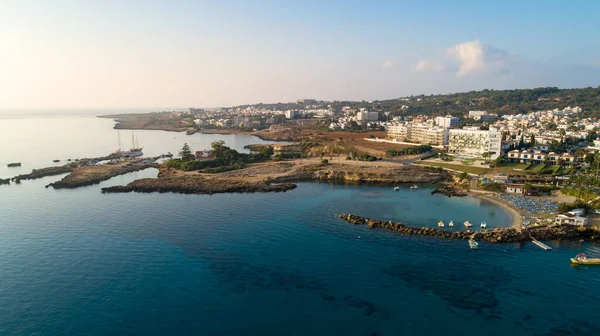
x=468, y=169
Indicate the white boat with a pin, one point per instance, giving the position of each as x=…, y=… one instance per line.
x=451, y=224
x=473, y=245
x=396, y=188
x=483, y=225
x=414, y=187
x=468, y=224
x=441, y=224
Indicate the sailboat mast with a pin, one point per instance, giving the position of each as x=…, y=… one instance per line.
x=132, y=140
x=119, y=137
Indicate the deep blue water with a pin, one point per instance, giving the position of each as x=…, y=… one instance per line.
x=76, y=262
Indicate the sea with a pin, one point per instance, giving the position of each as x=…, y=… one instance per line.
x=79, y=262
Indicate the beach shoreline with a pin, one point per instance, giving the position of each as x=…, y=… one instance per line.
x=515, y=215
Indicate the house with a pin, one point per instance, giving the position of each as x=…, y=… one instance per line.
x=570, y=219
x=539, y=157
x=515, y=188
x=525, y=156
x=204, y=155
x=553, y=158
x=568, y=158
x=513, y=155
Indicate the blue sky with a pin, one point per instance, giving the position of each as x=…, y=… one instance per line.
x=101, y=54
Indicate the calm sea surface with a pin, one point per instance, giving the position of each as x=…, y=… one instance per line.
x=77, y=262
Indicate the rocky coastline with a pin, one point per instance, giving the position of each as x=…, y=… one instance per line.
x=449, y=191
x=195, y=185
x=84, y=176
x=43, y=172
x=496, y=236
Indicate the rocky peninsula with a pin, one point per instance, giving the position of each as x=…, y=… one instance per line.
x=89, y=175
x=280, y=176
x=497, y=235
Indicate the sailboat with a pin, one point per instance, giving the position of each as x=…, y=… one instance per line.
x=135, y=150
x=451, y=224
x=441, y=224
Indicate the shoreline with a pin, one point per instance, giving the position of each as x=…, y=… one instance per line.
x=514, y=214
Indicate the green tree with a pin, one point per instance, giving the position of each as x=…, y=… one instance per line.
x=532, y=140
x=186, y=153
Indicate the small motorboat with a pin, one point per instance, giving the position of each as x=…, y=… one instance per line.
x=396, y=188
x=414, y=187
x=473, y=245
x=451, y=224
x=468, y=224
x=441, y=224
x=582, y=259
x=483, y=225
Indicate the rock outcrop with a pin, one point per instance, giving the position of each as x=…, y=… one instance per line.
x=497, y=235
x=449, y=191
x=4, y=181
x=197, y=185
x=43, y=172
x=84, y=176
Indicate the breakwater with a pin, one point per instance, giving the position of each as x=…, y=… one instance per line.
x=43, y=172
x=497, y=235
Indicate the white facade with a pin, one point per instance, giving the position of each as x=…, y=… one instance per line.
x=475, y=142
x=447, y=121
x=428, y=135
x=476, y=113
x=366, y=116
x=419, y=133
x=291, y=114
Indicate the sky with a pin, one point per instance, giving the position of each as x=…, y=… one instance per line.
x=150, y=54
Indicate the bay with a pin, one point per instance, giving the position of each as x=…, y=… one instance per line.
x=86, y=263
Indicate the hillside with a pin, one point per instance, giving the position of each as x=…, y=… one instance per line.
x=493, y=101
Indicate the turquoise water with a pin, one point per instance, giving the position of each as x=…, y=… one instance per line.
x=82, y=262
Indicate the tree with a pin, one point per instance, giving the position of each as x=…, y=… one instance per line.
x=532, y=140
x=186, y=153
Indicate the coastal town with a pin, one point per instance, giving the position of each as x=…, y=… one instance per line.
x=541, y=166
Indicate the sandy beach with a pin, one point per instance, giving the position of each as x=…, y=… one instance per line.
x=516, y=215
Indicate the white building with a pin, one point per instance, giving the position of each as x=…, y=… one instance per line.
x=366, y=116
x=570, y=219
x=474, y=142
x=447, y=121
x=428, y=135
x=473, y=114
x=399, y=132
x=291, y=114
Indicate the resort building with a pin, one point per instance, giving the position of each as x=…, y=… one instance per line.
x=447, y=121
x=428, y=135
x=418, y=133
x=570, y=219
x=399, y=132
x=473, y=142
x=366, y=116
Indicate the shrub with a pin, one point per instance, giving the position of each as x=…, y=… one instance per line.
x=324, y=161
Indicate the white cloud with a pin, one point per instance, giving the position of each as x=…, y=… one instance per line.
x=428, y=66
x=470, y=55
x=388, y=64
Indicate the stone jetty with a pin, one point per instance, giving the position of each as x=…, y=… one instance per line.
x=4, y=181
x=88, y=175
x=497, y=235
x=43, y=172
